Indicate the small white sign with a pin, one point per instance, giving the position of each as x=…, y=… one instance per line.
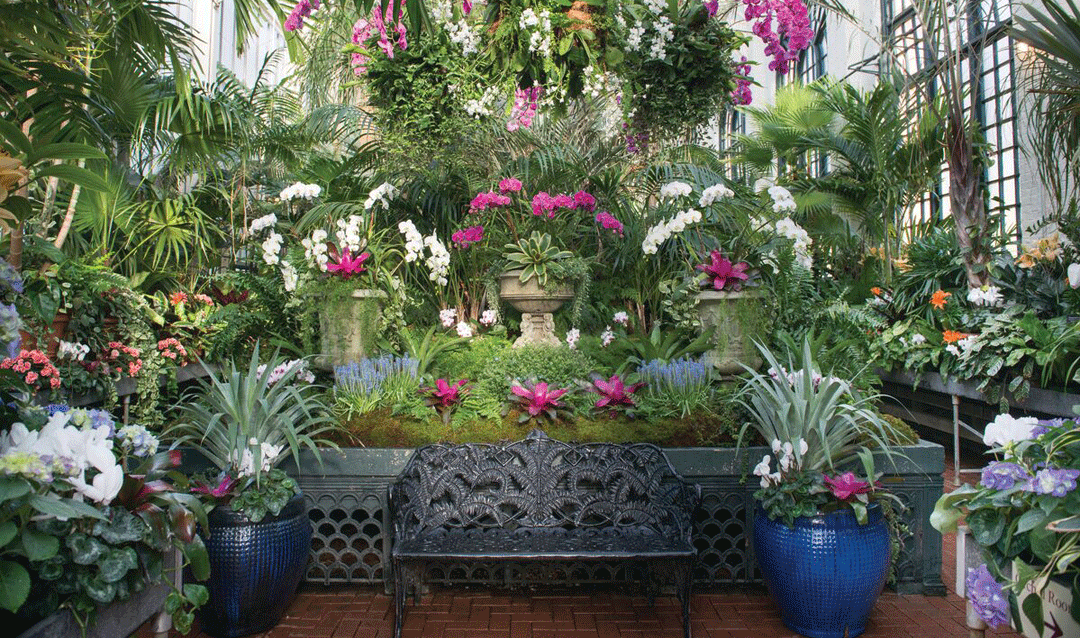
x=1057, y=613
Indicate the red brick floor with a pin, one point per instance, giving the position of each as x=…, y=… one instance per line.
x=365, y=612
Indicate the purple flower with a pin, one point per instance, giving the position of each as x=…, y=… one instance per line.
x=987, y=597
x=465, y=238
x=1001, y=475
x=1053, y=482
x=608, y=221
x=11, y=277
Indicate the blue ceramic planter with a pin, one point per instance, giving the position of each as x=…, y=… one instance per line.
x=826, y=572
x=255, y=568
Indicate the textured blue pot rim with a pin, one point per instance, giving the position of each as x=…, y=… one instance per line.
x=844, y=517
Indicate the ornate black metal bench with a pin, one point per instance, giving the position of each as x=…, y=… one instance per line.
x=542, y=500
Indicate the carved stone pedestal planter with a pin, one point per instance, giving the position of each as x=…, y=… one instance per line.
x=738, y=320
x=535, y=305
x=349, y=327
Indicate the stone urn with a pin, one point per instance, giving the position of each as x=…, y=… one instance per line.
x=739, y=321
x=536, y=305
x=348, y=327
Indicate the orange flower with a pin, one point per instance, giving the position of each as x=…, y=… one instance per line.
x=952, y=336
x=939, y=298
x=876, y=291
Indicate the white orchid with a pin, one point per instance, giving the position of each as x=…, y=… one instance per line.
x=1006, y=429
x=105, y=486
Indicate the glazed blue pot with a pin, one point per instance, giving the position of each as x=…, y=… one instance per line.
x=255, y=568
x=826, y=571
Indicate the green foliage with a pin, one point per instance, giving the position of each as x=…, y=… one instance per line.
x=473, y=361
x=831, y=415
x=429, y=347
x=535, y=257
x=263, y=314
x=269, y=496
x=558, y=366
x=238, y=410
x=664, y=345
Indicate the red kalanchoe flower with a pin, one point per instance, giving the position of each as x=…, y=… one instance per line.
x=845, y=486
x=723, y=273
x=347, y=265
x=614, y=393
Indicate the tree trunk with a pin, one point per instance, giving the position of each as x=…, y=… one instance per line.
x=968, y=208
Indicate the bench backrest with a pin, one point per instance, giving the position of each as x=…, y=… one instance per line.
x=541, y=482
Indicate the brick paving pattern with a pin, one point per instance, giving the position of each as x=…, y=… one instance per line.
x=365, y=612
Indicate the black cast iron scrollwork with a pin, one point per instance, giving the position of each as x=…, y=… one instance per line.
x=542, y=500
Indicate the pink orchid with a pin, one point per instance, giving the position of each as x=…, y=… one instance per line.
x=723, y=273
x=845, y=486
x=608, y=221
x=468, y=236
x=347, y=265
x=466, y=7
x=539, y=398
x=509, y=185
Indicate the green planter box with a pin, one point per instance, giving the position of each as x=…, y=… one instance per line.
x=347, y=498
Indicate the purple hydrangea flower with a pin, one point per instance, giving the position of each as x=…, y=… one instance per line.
x=1053, y=482
x=53, y=408
x=987, y=597
x=11, y=277
x=1001, y=475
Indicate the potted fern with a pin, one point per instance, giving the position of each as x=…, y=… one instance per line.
x=245, y=421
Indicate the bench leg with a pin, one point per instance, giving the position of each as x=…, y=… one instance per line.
x=684, y=580
x=400, y=585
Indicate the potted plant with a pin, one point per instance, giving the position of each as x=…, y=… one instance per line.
x=821, y=535
x=536, y=286
x=1023, y=514
x=733, y=313
x=88, y=515
x=334, y=272
x=245, y=421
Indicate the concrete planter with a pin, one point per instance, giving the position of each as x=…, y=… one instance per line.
x=347, y=506
x=738, y=321
x=348, y=328
x=536, y=305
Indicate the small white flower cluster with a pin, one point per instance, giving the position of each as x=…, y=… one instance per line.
x=1006, y=429
x=540, y=38
x=675, y=190
x=659, y=233
x=985, y=296
x=441, y=11
x=606, y=337
x=349, y=234
x=73, y=350
x=916, y=339
x=1072, y=273
x=381, y=195
x=489, y=317
x=572, y=337
x=245, y=461
x=289, y=276
x=787, y=460
x=963, y=347
x=464, y=330
x=414, y=241
x=816, y=378
x=271, y=248
x=483, y=105
x=315, y=249
x=300, y=190
x=713, y=193
x=656, y=6
x=598, y=82
x=665, y=33
x=783, y=201
x=621, y=318
x=438, y=261
x=262, y=223
x=447, y=317
x=635, y=36
x=786, y=227
x=302, y=373
x=462, y=34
